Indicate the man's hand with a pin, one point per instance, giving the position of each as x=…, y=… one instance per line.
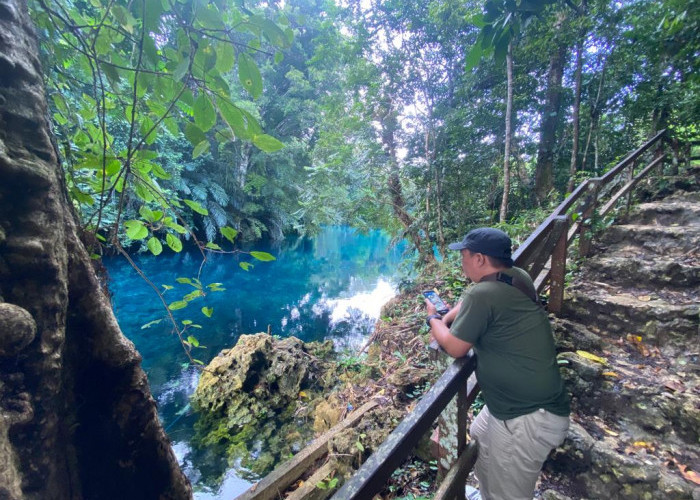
x=440, y=331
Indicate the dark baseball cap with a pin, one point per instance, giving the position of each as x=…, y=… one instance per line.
x=488, y=241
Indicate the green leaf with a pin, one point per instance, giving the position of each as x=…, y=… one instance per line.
x=262, y=256
x=182, y=68
x=154, y=245
x=167, y=287
x=200, y=149
x=168, y=221
x=246, y=266
x=187, y=322
x=267, y=143
x=173, y=242
x=204, y=112
x=274, y=34
x=212, y=246
x=473, y=57
x=225, y=57
x=194, y=134
x=196, y=207
x=184, y=281
x=146, y=213
x=235, y=119
x=249, y=75
x=178, y=304
x=135, y=229
x=208, y=311
x=192, y=340
x=229, y=233
x=197, y=361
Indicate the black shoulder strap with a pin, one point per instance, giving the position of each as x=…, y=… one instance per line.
x=515, y=282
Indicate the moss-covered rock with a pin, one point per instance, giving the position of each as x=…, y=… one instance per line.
x=256, y=398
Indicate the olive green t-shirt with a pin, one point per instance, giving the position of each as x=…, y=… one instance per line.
x=516, y=358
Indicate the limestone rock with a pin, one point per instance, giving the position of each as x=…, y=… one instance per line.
x=258, y=395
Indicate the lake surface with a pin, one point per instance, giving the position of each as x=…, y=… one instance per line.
x=328, y=287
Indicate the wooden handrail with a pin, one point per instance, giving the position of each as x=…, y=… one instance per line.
x=374, y=473
x=630, y=158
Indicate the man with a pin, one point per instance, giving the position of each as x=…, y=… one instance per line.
x=527, y=408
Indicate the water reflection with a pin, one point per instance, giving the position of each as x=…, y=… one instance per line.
x=332, y=286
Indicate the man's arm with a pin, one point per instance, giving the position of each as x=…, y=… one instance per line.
x=452, y=314
x=452, y=345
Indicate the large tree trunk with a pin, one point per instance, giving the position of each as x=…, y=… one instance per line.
x=544, y=170
x=509, y=134
x=77, y=419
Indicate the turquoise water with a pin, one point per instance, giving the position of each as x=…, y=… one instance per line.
x=328, y=287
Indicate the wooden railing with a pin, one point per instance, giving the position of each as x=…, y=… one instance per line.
x=543, y=255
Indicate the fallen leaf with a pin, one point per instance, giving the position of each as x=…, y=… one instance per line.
x=634, y=338
x=302, y=394
x=690, y=475
x=592, y=357
x=674, y=385
x=644, y=298
x=611, y=433
x=611, y=374
x=643, y=444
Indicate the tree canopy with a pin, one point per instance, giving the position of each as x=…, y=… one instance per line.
x=223, y=120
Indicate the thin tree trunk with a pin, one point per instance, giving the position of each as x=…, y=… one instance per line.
x=509, y=135
x=544, y=170
x=594, y=115
x=77, y=419
x=389, y=127
x=576, y=121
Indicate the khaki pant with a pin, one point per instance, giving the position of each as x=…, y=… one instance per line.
x=511, y=452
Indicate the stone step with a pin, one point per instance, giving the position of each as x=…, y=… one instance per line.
x=647, y=395
x=661, y=317
x=632, y=267
x=676, y=241
x=680, y=209
x=621, y=469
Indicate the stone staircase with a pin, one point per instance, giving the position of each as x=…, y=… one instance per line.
x=630, y=343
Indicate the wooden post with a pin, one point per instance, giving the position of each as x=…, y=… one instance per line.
x=452, y=422
x=590, y=205
x=630, y=176
x=558, y=272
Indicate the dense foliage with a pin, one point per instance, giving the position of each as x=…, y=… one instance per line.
x=190, y=118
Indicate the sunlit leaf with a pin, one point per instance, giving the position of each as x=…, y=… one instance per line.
x=154, y=245
x=173, y=242
x=178, y=304
x=267, y=143
x=246, y=266
x=208, y=311
x=262, y=256
x=229, y=233
x=196, y=207
x=135, y=229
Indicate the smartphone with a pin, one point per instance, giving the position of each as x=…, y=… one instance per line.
x=436, y=301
